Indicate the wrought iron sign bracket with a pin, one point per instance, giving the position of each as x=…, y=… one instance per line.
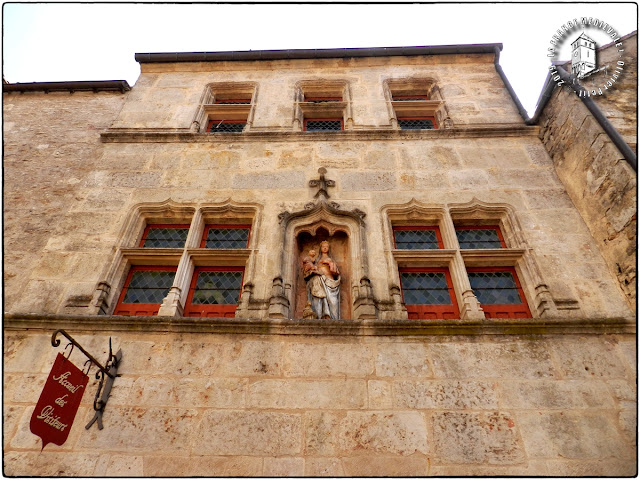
x=110, y=370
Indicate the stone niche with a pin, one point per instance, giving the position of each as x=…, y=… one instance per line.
x=310, y=238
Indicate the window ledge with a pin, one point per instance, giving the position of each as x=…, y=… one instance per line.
x=154, y=324
x=356, y=134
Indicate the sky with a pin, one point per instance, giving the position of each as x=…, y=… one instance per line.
x=46, y=42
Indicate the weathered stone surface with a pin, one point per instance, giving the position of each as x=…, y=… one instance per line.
x=461, y=437
x=399, y=433
x=589, y=358
x=269, y=180
x=380, y=394
x=402, y=360
x=50, y=464
x=325, y=360
x=368, y=181
x=335, y=394
x=283, y=467
x=236, y=432
x=527, y=359
x=119, y=466
x=585, y=435
x=553, y=394
x=202, y=466
x=436, y=394
x=323, y=467
x=386, y=466
x=321, y=433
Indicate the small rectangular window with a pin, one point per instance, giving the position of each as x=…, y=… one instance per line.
x=474, y=237
x=234, y=101
x=225, y=236
x=322, y=99
x=428, y=293
x=323, y=125
x=164, y=236
x=214, y=292
x=499, y=292
x=144, y=290
x=417, y=238
x=226, y=126
x=409, y=98
x=417, y=123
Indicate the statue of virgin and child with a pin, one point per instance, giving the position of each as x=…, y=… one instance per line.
x=323, y=284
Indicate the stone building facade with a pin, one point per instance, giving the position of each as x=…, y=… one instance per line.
x=407, y=162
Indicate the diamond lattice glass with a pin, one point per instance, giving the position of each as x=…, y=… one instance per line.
x=227, y=127
x=323, y=125
x=165, y=237
x=478, y=238
x=148, y=286
x=495, y=288
x=420, y=124
x=227, y=238
x=217, y=288
x=416, y=239
x=425, y=288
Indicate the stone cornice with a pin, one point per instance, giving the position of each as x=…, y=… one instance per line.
x=183, y=136
x=114, y=323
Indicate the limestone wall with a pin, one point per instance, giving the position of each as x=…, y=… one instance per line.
x=275, y=405
x=598, y=180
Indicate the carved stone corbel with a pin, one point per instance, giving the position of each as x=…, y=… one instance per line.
x=171, y=306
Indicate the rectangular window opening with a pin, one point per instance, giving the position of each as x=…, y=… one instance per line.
x=214, y=292
x=417, y=123
x=323, y=125
x=428, y=293
x=480, y=236
x=499, y=292
x=225, y=236
x=144, y=290
x=164, y=236
x=417, y=237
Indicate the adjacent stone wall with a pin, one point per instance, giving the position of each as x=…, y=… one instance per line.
x=51, y=143
x=274, y=405
x=599, y=181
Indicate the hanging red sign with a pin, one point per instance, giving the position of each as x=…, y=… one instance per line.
x=59, y=401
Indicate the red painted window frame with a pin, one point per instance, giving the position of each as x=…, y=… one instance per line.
x=326, y=99
x=217, y=311
x=323, y=119
x=520, y=310
x=209, y=226
x=409, y=97
x=483, y=227
x=228, y=101
x=419, y=227
x=433, y=119
x=211, y=122
x=432, y=312
x=139, y=309
x=160, y=225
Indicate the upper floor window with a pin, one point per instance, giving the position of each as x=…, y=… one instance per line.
x=322, y=106
x=480, y=236
x=417, y=237
x=225, y=236
x=417, y=123
x=323, y=125
x=428, y=293
x=415, y=104
x=144, y=289
x=499, y=292
x=226, y=107
x=164, y=236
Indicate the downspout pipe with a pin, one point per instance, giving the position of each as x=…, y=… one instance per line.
x=628, y=154
x=626, y=151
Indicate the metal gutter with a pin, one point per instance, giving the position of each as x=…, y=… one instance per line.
x=76, y=86
x=252, y=55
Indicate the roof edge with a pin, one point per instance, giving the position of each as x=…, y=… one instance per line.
x=73, y=86
x=252, y=55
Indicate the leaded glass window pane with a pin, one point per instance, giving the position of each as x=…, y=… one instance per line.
x=234, y=102
x=416, y=239
x=227, y=127
x=217, y=288
x=148, y=286
x=165, y=237
x=495, y=288
x=425, y=288
x=420, y=124
x=323, y=125
x=478, y=238
x=219, y=237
